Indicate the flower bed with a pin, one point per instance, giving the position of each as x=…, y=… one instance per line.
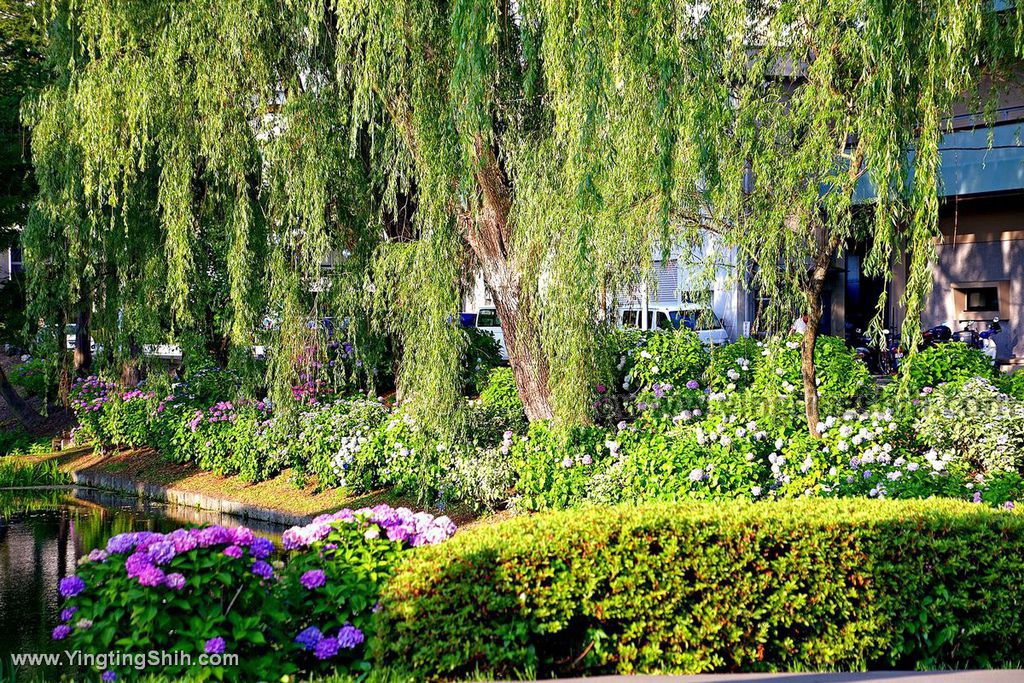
x=688, y=588
x=214, y=590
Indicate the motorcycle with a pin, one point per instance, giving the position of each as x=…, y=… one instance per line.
x=933, y=336
x=983, y=341
x=890, y=354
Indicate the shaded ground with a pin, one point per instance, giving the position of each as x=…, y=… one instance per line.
x=279, y=493
x=56, y=423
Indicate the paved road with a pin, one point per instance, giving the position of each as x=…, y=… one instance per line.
x=997, y=676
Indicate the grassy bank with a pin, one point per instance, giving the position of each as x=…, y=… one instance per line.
x=277, y=493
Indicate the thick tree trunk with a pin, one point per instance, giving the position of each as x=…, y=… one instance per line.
x=489, y=236
x=21, y=409
x=132, y=372
x=83, y=337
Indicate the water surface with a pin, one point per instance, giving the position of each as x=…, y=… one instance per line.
x=42, y=535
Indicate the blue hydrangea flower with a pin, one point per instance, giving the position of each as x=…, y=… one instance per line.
x=314, y=578
x=61, y=632
x=71, y=586
x=326, y=648
x=308, y=638
x=262, y=569
x=261, y=548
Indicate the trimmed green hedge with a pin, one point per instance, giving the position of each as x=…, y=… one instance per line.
x=804, y=584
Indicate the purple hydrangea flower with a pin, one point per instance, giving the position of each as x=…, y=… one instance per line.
x=977, y=496
x=97, y=555
x=136, y=564
x=151, y=576
x=183, y=540
x=214, y=646
x=108, y=676
x=61, y=632
x=161, y=552
x=349, y=637
x=71, y=586
x=175, y=581
x=262, y=569
x=121, y=543
x=308, y=638
x=261, y=548
x=233, y=551
x=314, y=578
x=693, y=384
x=326, y=648
x=67, y=613
x=1009, y=505
x=242, y=536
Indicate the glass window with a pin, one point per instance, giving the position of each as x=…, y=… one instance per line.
x=487, y=317
x=17, y=264
x=630, y=319
x=981, y=299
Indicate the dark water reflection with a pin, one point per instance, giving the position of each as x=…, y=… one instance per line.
x=42, y=535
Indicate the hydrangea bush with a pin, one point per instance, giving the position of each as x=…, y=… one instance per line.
x=216, y=590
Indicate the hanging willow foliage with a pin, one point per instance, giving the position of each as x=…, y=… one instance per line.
x=552, y=146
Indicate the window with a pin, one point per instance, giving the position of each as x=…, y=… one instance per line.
x=487, y=317
x=631, y=319
x=981, y=299
x=17, y=265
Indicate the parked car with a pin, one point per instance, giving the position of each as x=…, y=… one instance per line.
x=697, y=317
x=487, y=321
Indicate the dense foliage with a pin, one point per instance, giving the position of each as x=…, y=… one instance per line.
x=218, y=164
x=217, y=591
x=730, y=430
x=803, y=585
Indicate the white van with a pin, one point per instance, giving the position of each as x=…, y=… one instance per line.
x=698, y=317
x=487, y=321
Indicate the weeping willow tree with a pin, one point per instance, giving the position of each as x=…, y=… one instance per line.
x=550, y=146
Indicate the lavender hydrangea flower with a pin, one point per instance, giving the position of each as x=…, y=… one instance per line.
x=349, y=637
x=121, y=543
x=693, y=384
x=314, y=578
x=161, y=552
x=151, y=576
x=262, y=569
x=233, y=551
x=175, y=581
x=261, y=548
x=326, y=648
x=61, y=632
x=214, y=646
x=136, y=564
x=108, y=676
x=242, y=536
x=308, y=637
x=71, y=586
x=98, y=555
x=67, y=613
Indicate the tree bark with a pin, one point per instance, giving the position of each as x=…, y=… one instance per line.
x=807, y=368
x=21, y=409
x=132, y=373
x=83, y=336
x=489, y=235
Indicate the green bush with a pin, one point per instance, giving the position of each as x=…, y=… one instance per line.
x=796, y=585
x=844, y=381
x=976, y=424
x=502, y=395
x=125, y=419
x=555, y=469
x=31, y=377
x=481, y=355
x=953, y=362
x=1013, y=384
x=674, y=357
x=734, y=365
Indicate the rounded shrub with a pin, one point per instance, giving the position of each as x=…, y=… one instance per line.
x=734, y=365
x=690, y=588
x=502, y=396
x=953, y=362
x=673, y=357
